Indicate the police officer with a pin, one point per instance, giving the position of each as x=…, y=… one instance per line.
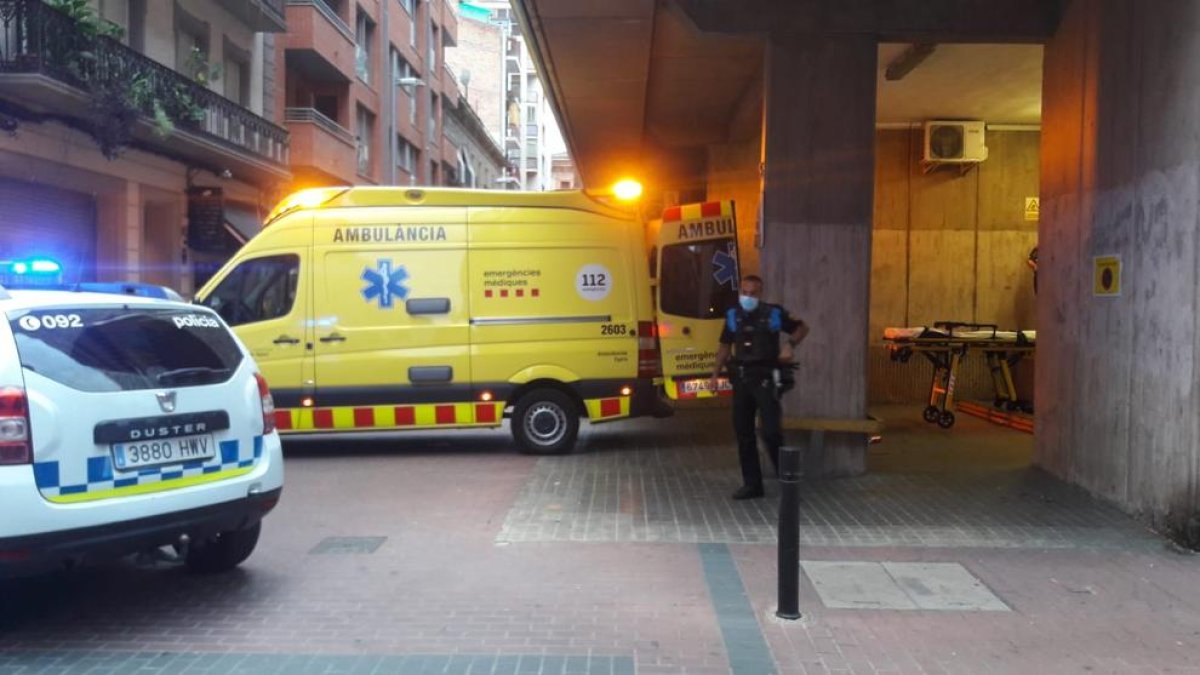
x=751, y=335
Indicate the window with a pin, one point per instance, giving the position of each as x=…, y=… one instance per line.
x=433, y=112
x=327, y=105
x=407, y=155
x=191, y=47
x=688, y=286
x=403, y=70
x=236, y=74
x=257, y=290
x=408, y=6
x=126, y=349
x=364, y=33
x=365, y=130
x=433, y=48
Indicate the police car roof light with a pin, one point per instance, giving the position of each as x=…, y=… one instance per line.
x=32, y=266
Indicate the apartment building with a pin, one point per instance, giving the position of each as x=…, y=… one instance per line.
x=519, y=112
x=145, y=152
x=365, y=83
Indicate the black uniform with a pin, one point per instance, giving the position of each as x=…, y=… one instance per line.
x=754, y=337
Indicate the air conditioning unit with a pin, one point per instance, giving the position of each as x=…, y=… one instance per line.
x=949, y=142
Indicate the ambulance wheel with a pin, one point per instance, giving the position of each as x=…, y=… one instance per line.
x=545, y=422
x=931, y=414
x=946, y=420
x=223, y=552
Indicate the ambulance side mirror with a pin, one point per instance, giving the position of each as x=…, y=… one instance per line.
x=417, y=306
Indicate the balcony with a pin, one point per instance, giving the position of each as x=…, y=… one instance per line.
x=265, y=16
x=51, y=67
x=323, y=151
x=449, y=23
x=319, y=43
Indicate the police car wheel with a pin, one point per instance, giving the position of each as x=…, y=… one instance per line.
x=223, y=552
x=545, y=422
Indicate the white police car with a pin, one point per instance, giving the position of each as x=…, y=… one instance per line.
x=126, y=424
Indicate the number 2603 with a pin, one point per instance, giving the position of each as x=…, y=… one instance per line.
x=612, y=329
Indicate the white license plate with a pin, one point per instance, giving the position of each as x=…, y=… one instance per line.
x=697, y=386
x=139, y=454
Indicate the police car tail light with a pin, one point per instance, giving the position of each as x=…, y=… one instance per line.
x=268, y=404
x=649, y=362
x=15, y=447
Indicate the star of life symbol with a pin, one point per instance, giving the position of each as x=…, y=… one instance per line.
x=385, y=284
x=725, y=267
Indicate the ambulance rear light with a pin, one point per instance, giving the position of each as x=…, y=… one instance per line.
x=15, y=446
x=649, y=360
x=268, y=404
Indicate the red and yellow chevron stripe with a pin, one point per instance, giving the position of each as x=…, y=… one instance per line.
x=697, y=211
x=422, y=416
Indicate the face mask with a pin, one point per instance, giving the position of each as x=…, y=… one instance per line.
x=748, y=302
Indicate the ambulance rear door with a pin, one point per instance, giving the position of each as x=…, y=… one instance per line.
x=697, y=282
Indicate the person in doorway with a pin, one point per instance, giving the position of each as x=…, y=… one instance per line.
x=752, y=337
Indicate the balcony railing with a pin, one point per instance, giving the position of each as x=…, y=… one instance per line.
x=36, y=39
x=262, y=15
x=314, y=116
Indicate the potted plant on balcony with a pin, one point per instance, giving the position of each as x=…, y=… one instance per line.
x=199, y=69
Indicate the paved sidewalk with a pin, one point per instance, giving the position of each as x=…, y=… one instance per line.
x=452, y=554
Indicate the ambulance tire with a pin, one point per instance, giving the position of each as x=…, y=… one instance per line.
x=224, y=552
x=545, y=422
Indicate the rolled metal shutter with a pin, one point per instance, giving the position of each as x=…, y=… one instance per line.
x=41, y=221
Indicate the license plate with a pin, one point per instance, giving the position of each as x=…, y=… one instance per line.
x=140, y=454
x=697, y=386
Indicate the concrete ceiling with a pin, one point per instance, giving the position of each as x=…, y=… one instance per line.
x=1000, y=84
x=630, y=78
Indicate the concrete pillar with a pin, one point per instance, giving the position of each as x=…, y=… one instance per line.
x=819, y=150
x=1118, y=410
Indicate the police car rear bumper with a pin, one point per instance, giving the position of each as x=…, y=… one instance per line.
x=31, y=554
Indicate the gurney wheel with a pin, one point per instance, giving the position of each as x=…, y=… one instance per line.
x=931, y=414
x=946, y=420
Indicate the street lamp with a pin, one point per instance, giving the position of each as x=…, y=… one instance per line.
x=409, y=82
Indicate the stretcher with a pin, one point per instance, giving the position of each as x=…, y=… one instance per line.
x=946, y=345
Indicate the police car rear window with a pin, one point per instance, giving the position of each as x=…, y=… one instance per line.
x=125, y=348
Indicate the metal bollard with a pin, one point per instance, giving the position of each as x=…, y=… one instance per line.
x=789, y=534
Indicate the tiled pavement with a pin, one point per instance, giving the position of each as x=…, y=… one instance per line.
x=673, y=490
x=634, y=561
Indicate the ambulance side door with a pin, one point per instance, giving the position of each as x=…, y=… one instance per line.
x=391, y=311
x=698, y=281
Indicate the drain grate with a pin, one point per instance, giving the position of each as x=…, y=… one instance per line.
x=347, y=545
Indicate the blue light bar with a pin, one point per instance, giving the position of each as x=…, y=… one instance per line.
x=45, y=266
x=32, y=266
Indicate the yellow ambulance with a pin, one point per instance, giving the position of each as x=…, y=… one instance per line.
x=385, y=308
x=697, y=281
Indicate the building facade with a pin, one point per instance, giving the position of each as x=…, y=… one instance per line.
x=528, y=123
x=365, y=88
x=138, y=153
x=481, y=163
